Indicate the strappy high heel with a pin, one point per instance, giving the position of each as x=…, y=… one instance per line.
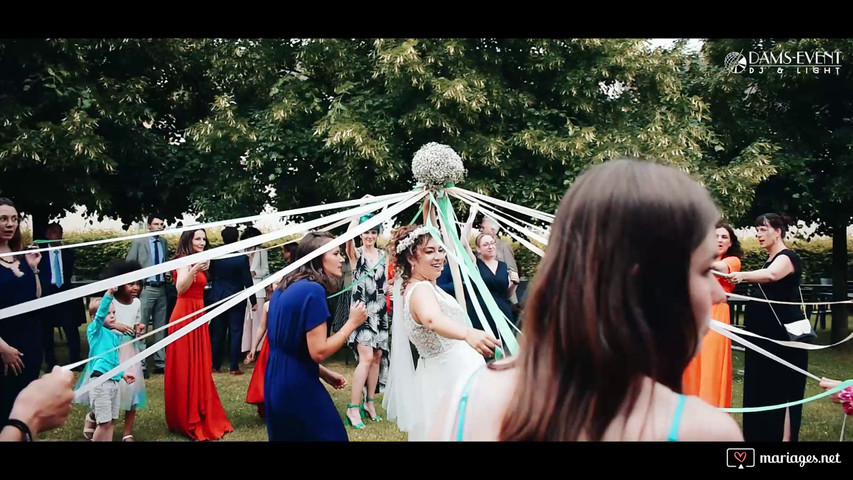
x=377, y=418
x=347, y=422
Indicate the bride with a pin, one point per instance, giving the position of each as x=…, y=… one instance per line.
x=435, y=323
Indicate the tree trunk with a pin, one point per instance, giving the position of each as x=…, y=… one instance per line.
x=40, y=219
x=839, y=281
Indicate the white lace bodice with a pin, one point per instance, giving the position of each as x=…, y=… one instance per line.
x=429, y=343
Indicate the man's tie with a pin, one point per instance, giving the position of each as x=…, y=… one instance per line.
x=57, y=268
x=157, y=254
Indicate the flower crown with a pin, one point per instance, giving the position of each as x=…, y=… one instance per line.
x=407, y=242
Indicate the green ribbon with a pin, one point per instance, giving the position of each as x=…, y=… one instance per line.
x=470, y=292
x=465, y=269
x=370, y=272
x=827, y=393
x=508, y=339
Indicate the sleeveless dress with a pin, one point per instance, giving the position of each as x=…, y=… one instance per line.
x=133, y=396
x=375, y=331
x=443, y=361
x=709, y=375
x=765, y=381
x=193, y=407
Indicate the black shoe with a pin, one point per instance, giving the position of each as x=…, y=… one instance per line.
x=159, y=371
x=145, y=374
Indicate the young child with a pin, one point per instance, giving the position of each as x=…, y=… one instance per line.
x=128, y=312
x=104, y=333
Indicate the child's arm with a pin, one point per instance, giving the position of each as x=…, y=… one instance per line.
x=104, y=308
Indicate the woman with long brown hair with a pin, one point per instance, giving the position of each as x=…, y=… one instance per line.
x=20, y=336
x=435, y=324
x=298, y=407
x=616, y=311
x=193, y=407
x=709, y=375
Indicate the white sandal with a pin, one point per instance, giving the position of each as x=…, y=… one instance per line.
x=128, y=438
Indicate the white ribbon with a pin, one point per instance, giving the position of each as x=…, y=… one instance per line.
x=780, y=302
x=715, y=326
x=190, y=315
x=516, y=208
x=237, y=254
x=105, y=284
x=784, y=343
x=242, y=296
x=468, y=280
x=493, y=213
x=528, y=225
x=530, y=246
x=297, y=211
x=71, y=366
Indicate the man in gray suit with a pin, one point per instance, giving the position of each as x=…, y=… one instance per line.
x=150, y=251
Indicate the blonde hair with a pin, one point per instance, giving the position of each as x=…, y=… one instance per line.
x=93, y=306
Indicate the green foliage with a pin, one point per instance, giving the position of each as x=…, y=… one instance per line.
x=807, y=117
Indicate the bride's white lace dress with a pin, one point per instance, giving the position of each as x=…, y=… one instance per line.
x=414, y=394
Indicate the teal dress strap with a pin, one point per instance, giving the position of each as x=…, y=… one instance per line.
x=676, y=419
x=463, y=402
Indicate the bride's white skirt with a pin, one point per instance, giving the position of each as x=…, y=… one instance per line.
x=436, y=377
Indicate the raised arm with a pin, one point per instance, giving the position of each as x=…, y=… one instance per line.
x=466, y=232
x=352, y=255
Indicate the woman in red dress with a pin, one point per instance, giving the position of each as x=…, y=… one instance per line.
x=192, y=403
x=255, y=394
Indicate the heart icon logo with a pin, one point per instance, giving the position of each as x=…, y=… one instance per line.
x=740, y=456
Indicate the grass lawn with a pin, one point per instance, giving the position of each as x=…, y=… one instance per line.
x=821, y=419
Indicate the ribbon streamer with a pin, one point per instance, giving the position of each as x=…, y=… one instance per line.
x=242, y=296
x=175, y=231
x=105, y=284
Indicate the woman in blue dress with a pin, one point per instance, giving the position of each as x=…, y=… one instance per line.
x=20, y=336
x=298, y=407
x=498, y=278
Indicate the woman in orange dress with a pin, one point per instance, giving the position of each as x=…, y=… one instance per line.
x=192, y=403
x=709, y=374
